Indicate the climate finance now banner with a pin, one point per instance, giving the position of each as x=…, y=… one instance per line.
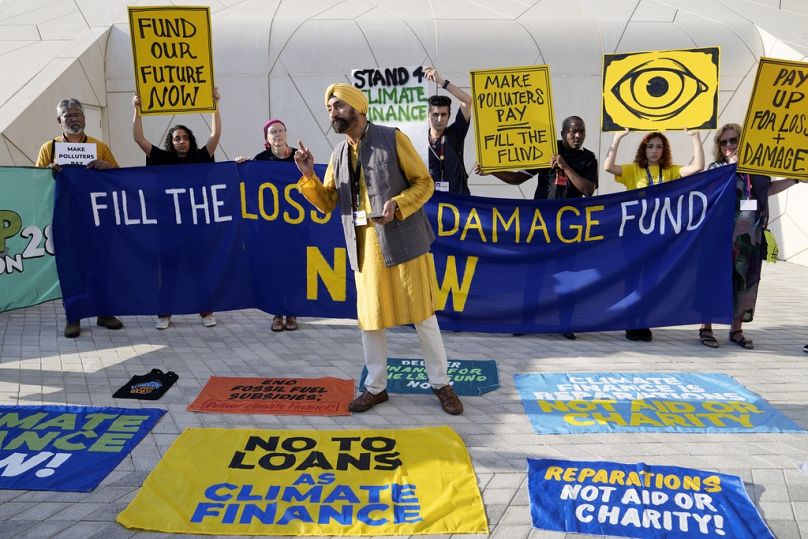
x=638, y=500
x=215, y=237
x=67, y=448
x=339, y=482
x=562, y=403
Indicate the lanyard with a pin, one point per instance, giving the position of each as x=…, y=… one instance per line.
x=748, y=192
x=442, y=156
x=354, y=172
x=650, y=178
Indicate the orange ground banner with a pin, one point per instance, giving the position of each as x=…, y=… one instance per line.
x=279, y=396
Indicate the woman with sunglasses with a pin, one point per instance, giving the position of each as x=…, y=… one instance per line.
x=751, y=217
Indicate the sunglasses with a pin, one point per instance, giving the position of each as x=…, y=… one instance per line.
x=726, y=142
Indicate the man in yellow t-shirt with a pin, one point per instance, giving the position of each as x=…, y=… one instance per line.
x=70, y=116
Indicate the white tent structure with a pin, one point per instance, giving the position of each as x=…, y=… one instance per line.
x=274, y=58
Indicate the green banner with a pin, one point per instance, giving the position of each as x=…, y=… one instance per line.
x=27, y=265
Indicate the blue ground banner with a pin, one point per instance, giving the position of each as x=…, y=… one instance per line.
x=468, y=377
x=638, y=500
x=67, y=448
x=584, y=402
x=27, y=264
x=191, y=238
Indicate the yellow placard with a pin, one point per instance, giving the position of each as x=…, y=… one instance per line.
x=513, y=111
x=339, y=482
x=173, y=59
x=775, y=135
x=658, y=90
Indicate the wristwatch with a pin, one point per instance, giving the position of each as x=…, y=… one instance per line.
x=445, y=84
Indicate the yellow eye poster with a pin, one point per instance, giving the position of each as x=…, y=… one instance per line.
x=775, y=135
x=173, y=59
x=658, y=90
x=513, y=112
x=333, y=483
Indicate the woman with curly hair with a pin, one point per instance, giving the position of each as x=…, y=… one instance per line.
x=652, y=165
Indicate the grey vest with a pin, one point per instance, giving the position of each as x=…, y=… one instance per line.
x=399, y=241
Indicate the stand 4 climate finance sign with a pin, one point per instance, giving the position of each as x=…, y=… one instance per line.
x=657, y=90
x=173, y=59
x=312, y=482
x=514, y=125
x=775, y=136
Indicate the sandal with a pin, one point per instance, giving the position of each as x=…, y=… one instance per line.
x=743, y=342
x=277, y=323
x=291, y=323
x=707, y=338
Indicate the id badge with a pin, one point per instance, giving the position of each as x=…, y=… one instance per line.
x=442, y=186
x=360, y=218
x=748, y=204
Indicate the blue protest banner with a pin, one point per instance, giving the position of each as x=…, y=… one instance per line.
x=67, y=448
x=581, y=402
x=638, y=500
x=187, y=239
x=468, y=377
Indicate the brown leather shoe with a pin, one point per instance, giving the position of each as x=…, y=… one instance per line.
x=449, y=400
x=73, y=329
x=109, y=322
x=367, y=400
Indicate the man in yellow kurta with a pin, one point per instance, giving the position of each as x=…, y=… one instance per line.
x=379, y=183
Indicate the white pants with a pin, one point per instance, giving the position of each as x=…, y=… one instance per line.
x=374, y=346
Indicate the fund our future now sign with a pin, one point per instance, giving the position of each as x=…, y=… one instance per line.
x=173, y=59
x=397, y=97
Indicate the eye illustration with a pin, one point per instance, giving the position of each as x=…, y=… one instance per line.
x=658, y=89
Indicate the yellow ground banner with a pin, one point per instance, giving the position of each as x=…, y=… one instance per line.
x=513, y=111
x=775, y=136
x=658, y=90
x=339, y=482
x=173, y=59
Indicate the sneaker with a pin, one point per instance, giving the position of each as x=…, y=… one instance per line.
x=643, y=334
x=109, y=322
x=208, y=321
x=73, y=329
x=569, y=336
x=163, y=322
x=448, y=400
x=367, y=400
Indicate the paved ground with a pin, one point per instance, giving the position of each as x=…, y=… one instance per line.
x=38, y=365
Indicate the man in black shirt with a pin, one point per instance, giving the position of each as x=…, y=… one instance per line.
x=573, y=171
x=446, y=141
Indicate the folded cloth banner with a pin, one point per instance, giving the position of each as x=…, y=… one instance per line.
x=150, y=386
x=67, y=448
x=27, y=266
x=279, y=396
x=581, y=402
x=339, y=482
x=468, y=377
x=638, y=500
x=193, y=238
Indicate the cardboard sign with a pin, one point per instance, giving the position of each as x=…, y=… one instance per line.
x=514, y=126
x=581, y=402
x=397, y=97
x=658, y=90
x=638, y=500
x=69, y=153
x=311, y=482
x=280, y=396
x=773, y=141
x=173, y=59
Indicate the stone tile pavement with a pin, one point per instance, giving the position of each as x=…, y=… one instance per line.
x=38, y=365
